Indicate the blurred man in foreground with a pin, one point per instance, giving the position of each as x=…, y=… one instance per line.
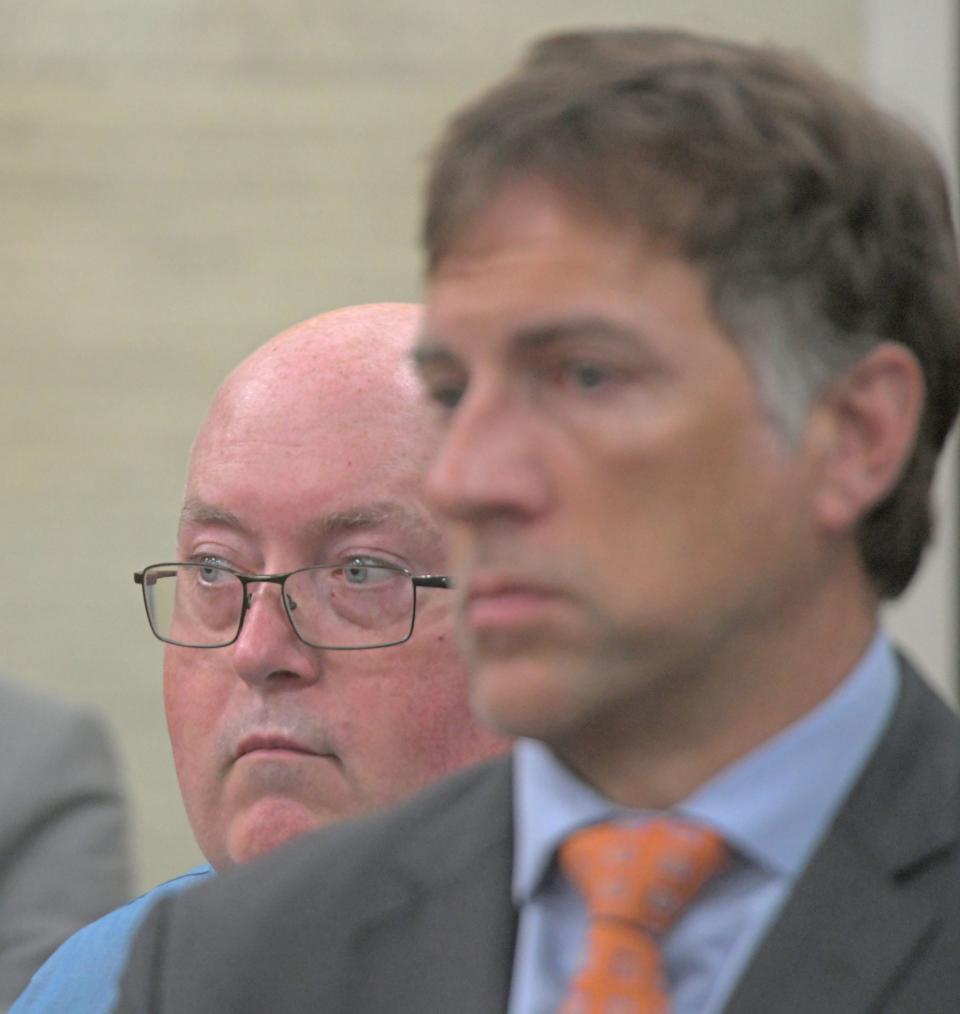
x=693, y=320
x=296, y=701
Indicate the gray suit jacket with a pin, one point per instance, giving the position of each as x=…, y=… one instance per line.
x=408, y=912
x=63, y=837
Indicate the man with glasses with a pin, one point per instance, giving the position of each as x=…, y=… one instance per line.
x=693, y=323
x=309, y=669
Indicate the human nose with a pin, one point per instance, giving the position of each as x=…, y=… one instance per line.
x=267, y=651
x=491, y=461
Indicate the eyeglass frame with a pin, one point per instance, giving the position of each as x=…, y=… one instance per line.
x=417, y=580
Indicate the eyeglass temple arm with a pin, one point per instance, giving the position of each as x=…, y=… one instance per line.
x=141, y=577
x=433, y=581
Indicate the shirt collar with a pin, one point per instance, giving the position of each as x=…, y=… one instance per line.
x=773, y=805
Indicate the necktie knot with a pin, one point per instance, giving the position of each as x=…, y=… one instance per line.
x=635, y=882
x=645, y=875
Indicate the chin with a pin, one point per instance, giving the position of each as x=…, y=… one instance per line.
x=525, y=696
x=269, y=825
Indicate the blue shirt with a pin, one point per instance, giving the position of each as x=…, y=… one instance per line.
x=83, y=975
x=772, y=806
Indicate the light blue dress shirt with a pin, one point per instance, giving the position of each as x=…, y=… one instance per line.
x=83, y=975
x=773, y=807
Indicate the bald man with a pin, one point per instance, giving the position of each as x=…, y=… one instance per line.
x=307, y=476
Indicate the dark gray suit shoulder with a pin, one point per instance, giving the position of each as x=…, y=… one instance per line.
x=377, y=894
x=873, y=925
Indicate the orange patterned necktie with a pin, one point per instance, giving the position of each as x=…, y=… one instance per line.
x=635, y=882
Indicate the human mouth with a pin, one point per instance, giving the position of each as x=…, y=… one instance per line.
x=503, y=601
x=273, y=746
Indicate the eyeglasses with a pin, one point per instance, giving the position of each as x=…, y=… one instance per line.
x=339, y=606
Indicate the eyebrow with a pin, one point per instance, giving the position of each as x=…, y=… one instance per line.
x=351, y=519
x=365, y=516
x=198, y=512
x=432, y=351
x=540, y=336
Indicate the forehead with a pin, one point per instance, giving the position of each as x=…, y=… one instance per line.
x=532, y=259
x=526, y=219
x=284, y=407
x=284, y=448
x=403, y=521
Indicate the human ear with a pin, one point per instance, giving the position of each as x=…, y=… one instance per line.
x=870, y=417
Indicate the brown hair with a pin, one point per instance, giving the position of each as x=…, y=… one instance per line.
x=821, y=223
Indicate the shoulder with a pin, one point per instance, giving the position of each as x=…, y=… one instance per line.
x=35, y=721
x=19, y=700
x=324, y=894
x=374, y=861
x=83, y=974
x=921, y=710
x=55, y=753
x=906, y=803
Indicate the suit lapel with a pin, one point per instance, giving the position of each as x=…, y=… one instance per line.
x=847, y=931
x=447, y=945
x=872, y=892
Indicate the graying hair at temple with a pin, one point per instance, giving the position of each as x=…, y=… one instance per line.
x=821, y=223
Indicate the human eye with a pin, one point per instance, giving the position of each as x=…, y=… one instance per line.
x=588, y=376
x=579, y=375
x=445, y=393
x=368, y=571
x=211, y=570
x=448, y=396
x=444, y=382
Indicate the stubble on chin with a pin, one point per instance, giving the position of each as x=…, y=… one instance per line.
x=520, y=689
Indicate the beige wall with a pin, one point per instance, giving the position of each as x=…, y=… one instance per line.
x=179, y=180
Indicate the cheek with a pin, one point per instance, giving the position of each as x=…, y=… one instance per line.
x=664, y=519
x=689, y=471
x=412, y=723
x=194, y=702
